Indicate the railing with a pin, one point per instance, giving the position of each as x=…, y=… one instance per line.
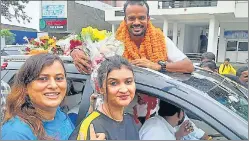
x=167, y=4
x=241, y=1
x=195, y=57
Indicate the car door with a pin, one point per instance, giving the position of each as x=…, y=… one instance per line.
x=172, y=95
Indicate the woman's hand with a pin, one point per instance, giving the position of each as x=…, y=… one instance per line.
x=93, y=135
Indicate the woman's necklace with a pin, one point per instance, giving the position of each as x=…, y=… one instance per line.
x=109, y=114
x=48, y=120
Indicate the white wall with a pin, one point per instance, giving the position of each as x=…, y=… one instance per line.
x=222, y=42
x=40, y=34
x=241, y=9
x=110, y=11
x=160, y=25
x=110, y=14
x=225, y=6
x=95, y=4
x=153, y=5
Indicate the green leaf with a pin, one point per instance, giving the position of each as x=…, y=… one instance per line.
x=6, y=33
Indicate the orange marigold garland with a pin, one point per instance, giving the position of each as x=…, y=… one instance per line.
x=153, y=46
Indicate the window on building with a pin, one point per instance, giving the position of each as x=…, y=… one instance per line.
x=243, y=46
x=119, y=13
x=231, y=46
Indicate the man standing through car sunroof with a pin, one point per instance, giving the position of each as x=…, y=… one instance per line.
x=145, y=45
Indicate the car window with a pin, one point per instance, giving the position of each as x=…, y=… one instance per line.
x=75, y=86
x=73, y=98
x=3, y=72
x=9, y=77
x=199, y=124
x=208, y=129
x=222, y=90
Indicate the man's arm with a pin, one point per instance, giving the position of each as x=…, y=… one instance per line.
x=185, y=66
x=177, y=61
x=80, y=60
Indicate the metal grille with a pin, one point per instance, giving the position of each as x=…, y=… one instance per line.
x=167, y=4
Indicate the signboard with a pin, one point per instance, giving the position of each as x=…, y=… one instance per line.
x=54, y=9
x=53, y=25
x=236, y=34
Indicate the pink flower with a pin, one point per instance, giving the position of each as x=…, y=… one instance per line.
x=27, y=49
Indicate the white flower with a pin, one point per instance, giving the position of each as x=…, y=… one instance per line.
x=26, y=39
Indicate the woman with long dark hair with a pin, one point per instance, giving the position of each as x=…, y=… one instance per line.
x=33, y=110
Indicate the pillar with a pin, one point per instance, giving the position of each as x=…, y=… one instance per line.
x=213, y=35
x=181, y=37
x=2, y=43
x=113, y=29
x=165, y=27
x=222, y=45
x=175, y=33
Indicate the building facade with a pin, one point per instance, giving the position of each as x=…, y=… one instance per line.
x=60, y=18
x=215, y=26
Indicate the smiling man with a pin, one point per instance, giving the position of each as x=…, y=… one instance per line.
x=145, y=45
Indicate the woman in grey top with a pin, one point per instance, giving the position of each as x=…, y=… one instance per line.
x=116, y=81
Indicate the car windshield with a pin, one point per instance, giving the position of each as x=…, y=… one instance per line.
x=222, y=90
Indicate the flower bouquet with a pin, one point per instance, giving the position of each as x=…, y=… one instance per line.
x=44, y=44
x=97, y=44
x=68, y=43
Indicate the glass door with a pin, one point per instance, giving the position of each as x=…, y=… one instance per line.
x=231, y=50
x=242, y=51
x=237, y=51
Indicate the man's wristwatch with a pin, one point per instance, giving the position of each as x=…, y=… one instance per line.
x=163, y=66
